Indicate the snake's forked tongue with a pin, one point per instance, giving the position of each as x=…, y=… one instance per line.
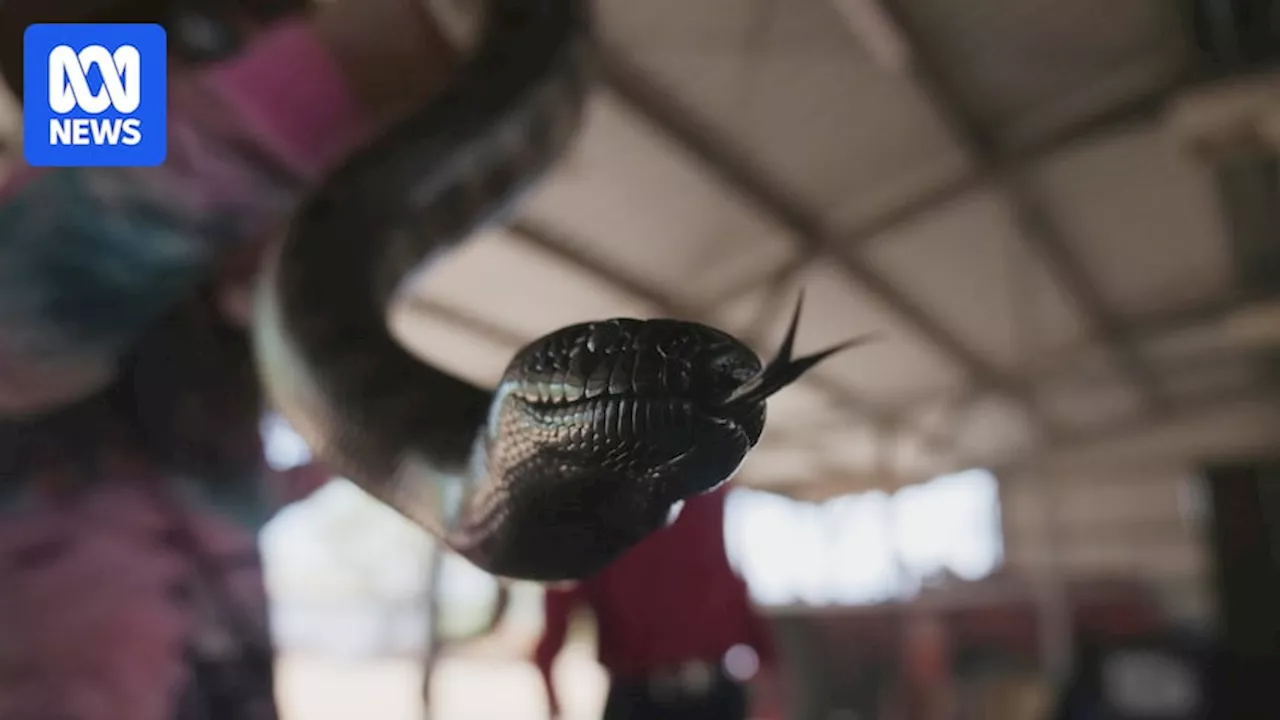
x=783, y=370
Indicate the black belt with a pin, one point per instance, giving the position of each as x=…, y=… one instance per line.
x=688, y=680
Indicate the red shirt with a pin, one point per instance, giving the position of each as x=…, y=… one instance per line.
x=670, y=599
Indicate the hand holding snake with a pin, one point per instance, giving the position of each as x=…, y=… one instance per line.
x=596, y=431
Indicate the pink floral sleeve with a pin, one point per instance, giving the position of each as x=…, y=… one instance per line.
x=90, y=256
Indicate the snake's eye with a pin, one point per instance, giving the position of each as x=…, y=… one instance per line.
x=737, y=365
x=722, y=368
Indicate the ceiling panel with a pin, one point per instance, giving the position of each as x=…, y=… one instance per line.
x=857, y=212
x=513, y=285
x=1225, y=376
x=1013, y=61
x=780, y=464
x=1203, y=335
x=837, y=130
x=966, y=265
x=674, y=25
x=990, y=430
x=856, y=452
x=801, y=405
x=854, y=447
x=630, y=198
x=1198, y=362
x=918, y=460
x=936, y=414
x=1095, y=397
x=1143, y=219
x=805, y=103
x=455, y=349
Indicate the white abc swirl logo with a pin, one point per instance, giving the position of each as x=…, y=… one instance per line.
x=69, y=84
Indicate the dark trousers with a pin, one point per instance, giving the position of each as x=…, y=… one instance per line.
x=725, y=699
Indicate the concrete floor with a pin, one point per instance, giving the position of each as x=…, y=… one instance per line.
x=463, y=688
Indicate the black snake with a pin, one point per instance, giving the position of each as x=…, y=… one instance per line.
x=596, y=432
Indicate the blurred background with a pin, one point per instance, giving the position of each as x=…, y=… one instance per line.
x=1061, y=217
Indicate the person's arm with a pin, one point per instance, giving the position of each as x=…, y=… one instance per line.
x=89, y=257
x=558, y=605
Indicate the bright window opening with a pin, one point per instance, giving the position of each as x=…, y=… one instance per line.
x=865, y=548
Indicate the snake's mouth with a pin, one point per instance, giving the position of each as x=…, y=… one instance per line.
x=623, y=358
x=667, y=410
x=539, y=398
x=619, y=417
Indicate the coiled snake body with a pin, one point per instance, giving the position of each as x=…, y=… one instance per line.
x=596, y=431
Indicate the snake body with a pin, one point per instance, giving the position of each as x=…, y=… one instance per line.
x=596, y=431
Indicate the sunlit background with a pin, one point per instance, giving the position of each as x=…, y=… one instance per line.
x=349, y=581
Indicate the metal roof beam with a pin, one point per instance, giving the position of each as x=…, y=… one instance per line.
x=737, y=174
x=1032, y=217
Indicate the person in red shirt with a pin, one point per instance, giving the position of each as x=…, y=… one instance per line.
x=676, y=629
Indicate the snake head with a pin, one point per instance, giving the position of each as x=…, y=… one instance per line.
x=599, y=430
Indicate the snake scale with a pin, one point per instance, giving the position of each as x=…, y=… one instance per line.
x=596, y=433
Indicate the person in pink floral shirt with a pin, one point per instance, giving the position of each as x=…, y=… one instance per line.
x=132, y=479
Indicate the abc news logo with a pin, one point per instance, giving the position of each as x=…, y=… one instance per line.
x=94, y=95
x=120, y=90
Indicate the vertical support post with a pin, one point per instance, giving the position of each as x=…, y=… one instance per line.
x=886, y=462
x=1053, y=608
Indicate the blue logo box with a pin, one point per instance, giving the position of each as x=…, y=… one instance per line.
x=95, y=95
